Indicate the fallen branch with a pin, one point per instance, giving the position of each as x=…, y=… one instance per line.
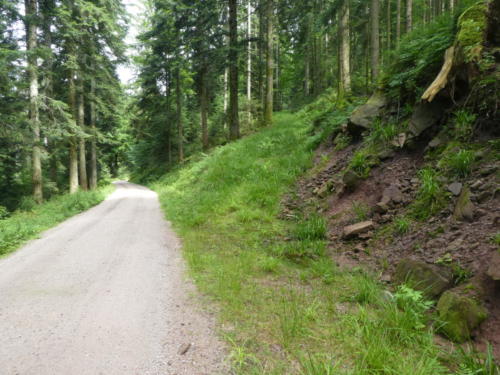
x=442, y=78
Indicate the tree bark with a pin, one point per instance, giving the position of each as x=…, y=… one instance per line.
x=234, y=121
x=409, y=15
x=345, y=49
x=268, y=107
x=389, y=26
x=93, y=142
x=398, y=22
x=73, y=151
x=82, y=147
x=204, y=109
x=249, y=62
x=180, y=129
x=375, y=39
x=31, y=10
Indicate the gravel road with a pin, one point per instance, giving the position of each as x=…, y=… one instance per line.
x=105, y=293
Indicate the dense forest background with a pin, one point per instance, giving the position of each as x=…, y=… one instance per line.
x=208, y=72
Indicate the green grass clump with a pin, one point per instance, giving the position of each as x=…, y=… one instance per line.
x=464, y=124
x=402, y=225
x=22, y=226
x=382, y=134
x=360, y=210
x=312, y=228
x=362, y=162
x=458, y=164
x=472, y=362
x=431, y=197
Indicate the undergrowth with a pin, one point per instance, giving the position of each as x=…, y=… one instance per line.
x=286, y=307
x=33, y=219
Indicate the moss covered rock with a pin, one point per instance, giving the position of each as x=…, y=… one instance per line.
x=472, y=26
x=460, y=315
x=363, y=116
x=464, y=208
x=431, y=280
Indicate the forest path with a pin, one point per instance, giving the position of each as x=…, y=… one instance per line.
x=105, y=293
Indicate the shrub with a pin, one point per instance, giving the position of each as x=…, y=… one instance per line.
x=460, y=163
x=27, y=204
x=412, y=302
x=401, y=225
x=361, y=163
x=4, y=213
x=382, y=134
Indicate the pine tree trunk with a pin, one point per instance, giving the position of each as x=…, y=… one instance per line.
x=345, y=49
x=249, y=62
x=268, y=107
x=93, y=142
x=234, y=120
x=398, y=22
x=375, y=39
x=82, y=148
x=389, y=26
x=409, y=15
x=31, y=10
x=73, y=150
x=180, y=129
x=204, y=109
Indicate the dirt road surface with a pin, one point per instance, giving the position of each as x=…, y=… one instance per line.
x=105, y=293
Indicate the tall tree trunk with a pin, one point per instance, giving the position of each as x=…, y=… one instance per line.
x=93, y=142
x=389, y=26
x=249, y=62
x=234, y=120
x=204, y=109
x=398, y=22
x=268, y=107
x=409, y=15
x=375, y=39
x=31, y=10
x=81, y=147
x=180, y=129
x=73, y=149
x=345, y=49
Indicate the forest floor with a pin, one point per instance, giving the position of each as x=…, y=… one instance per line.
x=104, y=293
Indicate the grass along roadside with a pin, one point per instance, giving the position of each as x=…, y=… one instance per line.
x=284, y=306
x=25, y=225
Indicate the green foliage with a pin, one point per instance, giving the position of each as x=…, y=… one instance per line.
x=381, y=134
x=412, y=302
x=431, y=196
x=25, y=225
x=472, y=362
x=401, y=225
x=459, y=163
x=4, y=213
x=362, y=162
x=464, y=124
x=418, y=60
x=472, y=28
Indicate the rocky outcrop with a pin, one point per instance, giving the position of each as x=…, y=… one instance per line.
x=494, y=267
x=460, y=315
x=363, y=116
x=431, y=280
x=426, y=115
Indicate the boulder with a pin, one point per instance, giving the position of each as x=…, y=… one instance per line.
x=391, y=194
x=464, y=209
x=425, y=115
x=357, y=229
x=363, y=116
x=430, y=279
x=494, y=268
x=459, y=314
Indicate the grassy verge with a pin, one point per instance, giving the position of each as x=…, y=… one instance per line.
x=284, y=306
x=26, y=225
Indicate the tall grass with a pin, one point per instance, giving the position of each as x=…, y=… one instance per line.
x=25, y=225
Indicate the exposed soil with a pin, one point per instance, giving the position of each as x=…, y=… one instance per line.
x=465, y=246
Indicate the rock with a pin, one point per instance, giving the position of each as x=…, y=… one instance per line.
x=464, y=209
x=386, y=153
x=494, y=268
x=399, y=140
x=483, y=196
x=351, y=179
x=357, y=229
x=476, y=185
x=324, y=189
x=486, y=171
x=460, y=315
x=391, y=194
x=430, y=279
x=455, y=188
x=184, y=349
x=437, y=141
x=363, y=116
x=381, y=208
x=425, y=115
